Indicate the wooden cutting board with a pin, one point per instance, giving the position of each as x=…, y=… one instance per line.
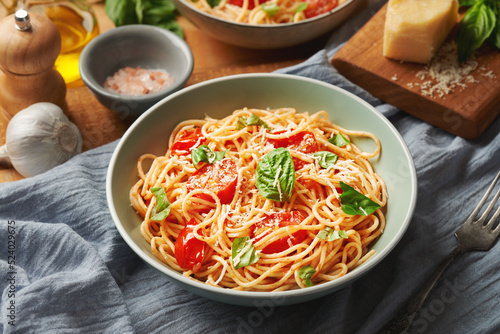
x=466, y=111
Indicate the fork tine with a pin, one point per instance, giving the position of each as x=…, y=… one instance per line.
x=490, y=207
x=491, y=222
x=474, y=213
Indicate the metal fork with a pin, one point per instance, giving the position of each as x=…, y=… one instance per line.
x=473, y=235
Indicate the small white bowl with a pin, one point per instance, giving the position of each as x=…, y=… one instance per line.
x=274, y=36
x=134, y=45
x=220, y=97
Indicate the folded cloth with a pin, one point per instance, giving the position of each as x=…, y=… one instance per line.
x=65, y=268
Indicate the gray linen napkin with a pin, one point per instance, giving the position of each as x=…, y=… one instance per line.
x=74, y=274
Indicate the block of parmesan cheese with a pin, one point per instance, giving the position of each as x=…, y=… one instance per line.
x=415, y=29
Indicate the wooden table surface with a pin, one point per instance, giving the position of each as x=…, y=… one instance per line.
x=212, y=59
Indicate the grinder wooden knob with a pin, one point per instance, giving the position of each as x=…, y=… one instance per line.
x=29, y=46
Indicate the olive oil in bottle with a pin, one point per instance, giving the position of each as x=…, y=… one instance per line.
x=77, y=24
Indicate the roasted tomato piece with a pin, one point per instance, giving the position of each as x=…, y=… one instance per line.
x=317, y=7
x=186, y=141
x=189, y=251
x=251, y=3
x=220, y=177
x=303, y=142
x=273, y=222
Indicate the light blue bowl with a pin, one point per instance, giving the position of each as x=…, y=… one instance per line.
x=220, y=97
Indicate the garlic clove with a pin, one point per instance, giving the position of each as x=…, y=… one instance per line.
x=41, y=137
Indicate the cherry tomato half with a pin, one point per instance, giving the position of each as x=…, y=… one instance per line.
x=189, y=251
x=186, y=141
x=304, y=142
x=251, y=3
x=220, y=177
x=273, y=222
x=317, y=7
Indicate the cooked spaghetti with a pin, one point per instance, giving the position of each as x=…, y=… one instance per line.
x=261, y=200
x=266, y=11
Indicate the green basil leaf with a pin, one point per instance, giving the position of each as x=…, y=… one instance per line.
x=301, y=7
x=243, y=253
x=494, y=38
x=325, y=159
x=330, y=234
x=160, y=13
x=466, y=3
x=121, y=12
x=140, y=5
x=339, y=140
x=270, y=8
x=353, y=202
x=275, y=175
x=474, y=28
x=305, y=273
x=173, y=26
x=203, y=153
x=242, y=123
x=155, y=12
x=250, y=121
x=162, y=208
x=213, y=3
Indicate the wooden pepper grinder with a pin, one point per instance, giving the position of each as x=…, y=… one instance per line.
x=29, y=46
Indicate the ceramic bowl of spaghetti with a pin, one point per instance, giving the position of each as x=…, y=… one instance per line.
x=285, y=190
x=260, y=24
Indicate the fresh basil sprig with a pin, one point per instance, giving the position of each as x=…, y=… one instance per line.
x=162, y=208
x=325, y=159
x=251, y=120
x=329, y=234
x=480, y=23
x=203, y=153
x=275, y=175
x=243, y=253
x=305, y=273
x=160, y=13
x=353, y=202
x=339, y=140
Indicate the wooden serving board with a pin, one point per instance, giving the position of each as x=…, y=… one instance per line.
x=465, y=112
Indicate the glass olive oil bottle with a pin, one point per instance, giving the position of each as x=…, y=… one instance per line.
x=77, y=24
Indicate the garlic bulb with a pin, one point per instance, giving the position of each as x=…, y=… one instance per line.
x=39, y=138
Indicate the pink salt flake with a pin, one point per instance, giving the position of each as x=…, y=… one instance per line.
x=138, y=81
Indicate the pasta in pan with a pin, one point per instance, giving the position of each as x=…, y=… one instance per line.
x=261, y=200
x=266, y=11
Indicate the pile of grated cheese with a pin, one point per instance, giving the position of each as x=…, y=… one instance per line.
x=444, y=75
